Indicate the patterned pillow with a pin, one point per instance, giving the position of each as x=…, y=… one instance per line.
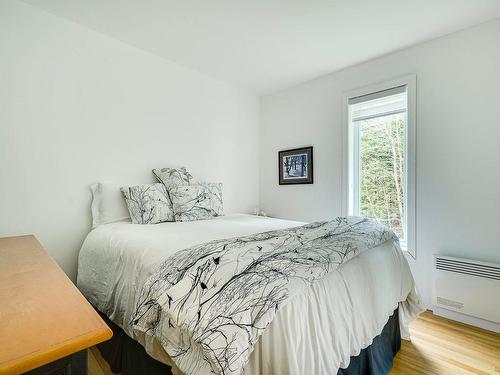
x=197, y=201
x=172, y=177
x=148, y=204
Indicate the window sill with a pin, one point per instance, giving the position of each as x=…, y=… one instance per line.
x=406, y=252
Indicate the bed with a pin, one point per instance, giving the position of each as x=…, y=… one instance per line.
x=317, y=332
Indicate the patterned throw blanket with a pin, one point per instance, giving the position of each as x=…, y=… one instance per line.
x=208, y=305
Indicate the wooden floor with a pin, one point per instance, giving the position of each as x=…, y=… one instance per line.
x=439, y=346
x=97, y=364
x=443, y=347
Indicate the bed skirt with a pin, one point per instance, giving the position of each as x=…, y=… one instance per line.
x=128, y=357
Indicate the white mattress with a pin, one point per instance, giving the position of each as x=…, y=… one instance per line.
x=316, y=333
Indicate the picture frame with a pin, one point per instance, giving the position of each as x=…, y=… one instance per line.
x=295, y=166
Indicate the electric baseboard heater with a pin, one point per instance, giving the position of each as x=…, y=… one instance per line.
x=467, y=286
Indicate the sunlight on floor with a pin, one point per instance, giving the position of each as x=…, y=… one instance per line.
x=444, y=347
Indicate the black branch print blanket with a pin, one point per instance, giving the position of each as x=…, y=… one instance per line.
x=208, y=305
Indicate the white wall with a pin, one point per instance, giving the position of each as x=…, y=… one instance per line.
x=77, y=106
x=458, y=138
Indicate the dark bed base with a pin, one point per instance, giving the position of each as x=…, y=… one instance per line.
x=128, y=357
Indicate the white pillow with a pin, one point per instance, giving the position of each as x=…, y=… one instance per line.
x=197, y=201
x=173, y=177
x=148, y=203
x=108, y=204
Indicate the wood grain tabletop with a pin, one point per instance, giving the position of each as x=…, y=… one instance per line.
x=43, y=315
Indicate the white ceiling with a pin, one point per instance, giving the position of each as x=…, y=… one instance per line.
x=268, y=45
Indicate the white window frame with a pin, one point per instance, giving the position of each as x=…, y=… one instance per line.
x=349, y=165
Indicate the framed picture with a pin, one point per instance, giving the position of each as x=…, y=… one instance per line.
x=296, y=166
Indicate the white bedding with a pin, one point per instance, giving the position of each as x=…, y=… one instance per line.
x=316, y=333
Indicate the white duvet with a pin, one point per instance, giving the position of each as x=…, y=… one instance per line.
x=316, y=333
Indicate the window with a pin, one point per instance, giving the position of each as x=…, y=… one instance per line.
x=381, y=157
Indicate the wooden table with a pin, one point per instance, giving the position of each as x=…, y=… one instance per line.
x=43, y=316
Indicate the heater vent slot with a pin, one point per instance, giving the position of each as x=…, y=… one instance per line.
x=469, y=268
x=450, y=303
